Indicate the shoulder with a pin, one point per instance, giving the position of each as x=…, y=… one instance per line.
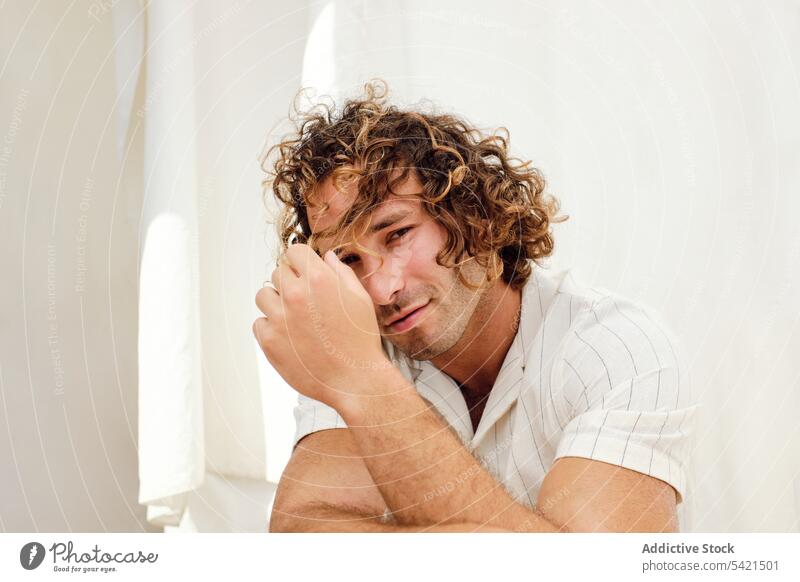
x=614, y=325
x=614, y=345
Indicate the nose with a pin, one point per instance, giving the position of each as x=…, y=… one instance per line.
x=384, y=281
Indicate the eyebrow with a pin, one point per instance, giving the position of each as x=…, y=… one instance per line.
x=389, y=220
x=385, y=222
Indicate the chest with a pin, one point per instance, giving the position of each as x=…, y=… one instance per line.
x=476, y=406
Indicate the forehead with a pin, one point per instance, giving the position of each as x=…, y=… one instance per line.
x=330, y=204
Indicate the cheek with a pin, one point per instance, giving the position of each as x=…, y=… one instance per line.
x=418, y=260
x=422, y=250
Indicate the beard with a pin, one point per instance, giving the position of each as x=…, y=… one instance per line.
x=447, y=317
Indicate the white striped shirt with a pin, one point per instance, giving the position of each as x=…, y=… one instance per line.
x=589, y=374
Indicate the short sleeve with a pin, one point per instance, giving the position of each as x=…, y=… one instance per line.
x=312, y=415
x=623, y=380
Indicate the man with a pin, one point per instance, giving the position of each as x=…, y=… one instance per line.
x=448, y=381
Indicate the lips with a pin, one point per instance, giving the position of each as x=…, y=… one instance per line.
x=406, y=319
x=403, y=314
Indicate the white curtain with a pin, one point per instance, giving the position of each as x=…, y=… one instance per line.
x=210, y=89
x=669, y=132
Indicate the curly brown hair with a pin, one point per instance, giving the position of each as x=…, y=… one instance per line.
x=492, y=205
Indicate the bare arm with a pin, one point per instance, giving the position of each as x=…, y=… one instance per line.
x=427, y=476
x=422, y=469
x=593, y=496
x=326, y=487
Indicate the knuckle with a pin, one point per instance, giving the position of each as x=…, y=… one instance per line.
x=316, y=279
x=276, y=319
x=259, y=329
x=292, y=296
x=261, y=295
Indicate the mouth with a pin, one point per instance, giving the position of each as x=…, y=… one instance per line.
x=408, y=321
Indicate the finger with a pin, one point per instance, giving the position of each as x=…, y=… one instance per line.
x=275, y=278
x=285, y=279
x=303, y=259
x=342, y=270
x=260, y=326
x=268, y=301
x=260, y=329
x=285, y=262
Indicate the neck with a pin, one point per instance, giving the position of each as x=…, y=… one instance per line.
x=475, y=360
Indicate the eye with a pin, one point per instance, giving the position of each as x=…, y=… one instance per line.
x=403, y=230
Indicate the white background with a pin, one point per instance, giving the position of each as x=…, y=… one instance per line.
x=669, y=131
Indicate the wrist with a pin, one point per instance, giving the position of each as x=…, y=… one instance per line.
x=373, y=395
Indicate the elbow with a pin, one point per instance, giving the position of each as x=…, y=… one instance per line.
x=283, y=521
x=283, y=525
x=278, y=525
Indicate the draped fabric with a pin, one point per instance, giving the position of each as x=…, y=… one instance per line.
x=668, y=133
x=205, y=390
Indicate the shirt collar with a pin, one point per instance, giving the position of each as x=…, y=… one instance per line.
x=444, y=393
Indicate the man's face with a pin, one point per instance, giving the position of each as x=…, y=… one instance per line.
x=408, y=239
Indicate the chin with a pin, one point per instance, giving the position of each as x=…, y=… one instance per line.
x=413, y=349
x=421, y=355
x=416, y=343
x=422, y=350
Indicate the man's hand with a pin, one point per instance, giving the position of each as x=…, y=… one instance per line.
x=320, y=331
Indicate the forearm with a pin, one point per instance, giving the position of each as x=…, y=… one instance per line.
x=422, y=470
x=328, y=518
